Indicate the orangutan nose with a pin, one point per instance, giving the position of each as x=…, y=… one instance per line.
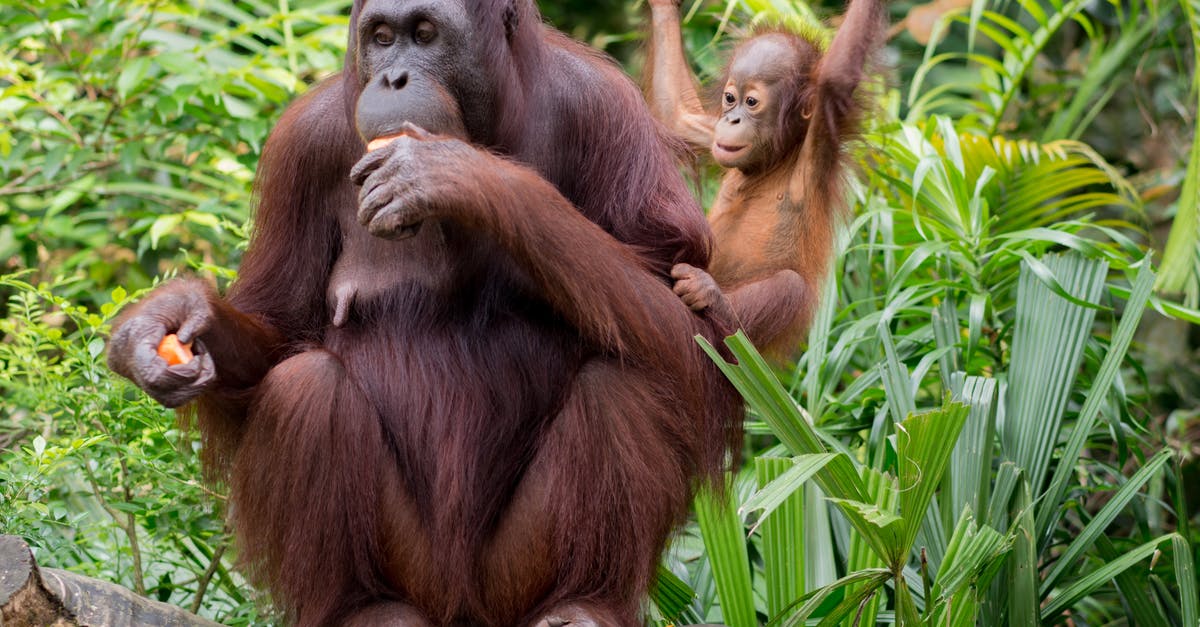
x=395, y=79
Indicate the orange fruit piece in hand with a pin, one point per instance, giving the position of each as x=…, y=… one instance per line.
x=380, y=142
x=173, y=351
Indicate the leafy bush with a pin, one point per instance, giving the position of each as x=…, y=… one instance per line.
x=103, y=483
x=132, y=129
x=130, y=135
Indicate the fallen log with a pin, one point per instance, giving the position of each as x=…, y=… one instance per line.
x=33, y=596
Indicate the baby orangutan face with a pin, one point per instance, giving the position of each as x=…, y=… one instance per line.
x=749, y=122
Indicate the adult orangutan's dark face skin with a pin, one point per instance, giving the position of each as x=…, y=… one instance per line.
x=416, y=65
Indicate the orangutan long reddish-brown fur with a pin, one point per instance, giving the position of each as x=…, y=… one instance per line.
x=514, y=429
x=774, y=223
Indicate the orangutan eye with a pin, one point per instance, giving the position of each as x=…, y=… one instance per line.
x=752, y=102
x=424, y=33
x=384, y=35
x=729, y=98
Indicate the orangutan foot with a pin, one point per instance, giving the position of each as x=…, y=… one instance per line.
x=576, y=616
x=387, y=615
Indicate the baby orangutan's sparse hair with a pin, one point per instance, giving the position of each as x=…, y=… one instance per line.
x=786, y=112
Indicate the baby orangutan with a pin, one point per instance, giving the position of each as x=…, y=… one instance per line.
x=787, y=111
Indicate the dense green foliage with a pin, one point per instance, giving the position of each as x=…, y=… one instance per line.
x=996, y=419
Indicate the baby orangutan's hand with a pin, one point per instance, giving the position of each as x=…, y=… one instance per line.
x=699, y=291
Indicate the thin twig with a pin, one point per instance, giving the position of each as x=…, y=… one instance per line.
x=14, y=187
x=139, y=585
x=129, y=527
x=213, y=564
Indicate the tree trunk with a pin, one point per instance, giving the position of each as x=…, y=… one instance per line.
x=37, y=597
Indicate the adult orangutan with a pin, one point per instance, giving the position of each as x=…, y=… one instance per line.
x=452, y=385
x=786, y=113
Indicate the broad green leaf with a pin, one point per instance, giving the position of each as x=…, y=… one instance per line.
x=1008, y=479
x=163, y=225
x=784, y=543
x=1048, y=277
x=1181, y=259
x=818, y=342
x=906, y=609
x=725, y=544
x=924, y=444
x=1047, y=347
x=944, y=320
x=1185, y=574
x=821, y=561
x=785, y=477
x=1023, y=600
x=132, y=75
x=1049, y=512
x=766, y=396
x=864, y=581
x=672, y=595
x=884, y=531
x=881, y=489
x=968, y=479
x=972, y=553
x=895, y=377
x=854, y=602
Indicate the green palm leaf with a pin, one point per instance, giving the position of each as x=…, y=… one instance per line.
x=990, y=92
x=1180, y=270
x=725, y=544
x=1098, y=577
x=1041, y=380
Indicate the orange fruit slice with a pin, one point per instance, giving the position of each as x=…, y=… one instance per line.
x=173, y=351
x=380, y=142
